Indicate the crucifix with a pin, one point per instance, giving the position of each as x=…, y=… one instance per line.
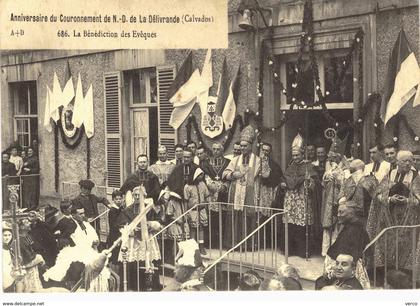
x=13, y=216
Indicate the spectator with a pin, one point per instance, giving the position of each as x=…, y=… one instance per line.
x=250, y=281
x=16, y=160
x=30, y=183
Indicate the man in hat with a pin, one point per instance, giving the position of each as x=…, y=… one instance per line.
x=378, y=167
x=89, y=202
x=300, y=180
x=397, y=203
x=163, y=167
x=213, y=169
x=144, y=177
x=243, y=174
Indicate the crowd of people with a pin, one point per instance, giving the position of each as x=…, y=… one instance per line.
x=20, y=166
x=335, y=206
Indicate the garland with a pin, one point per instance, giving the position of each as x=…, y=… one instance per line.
x=87, y=157
x=77, y=136
x=56, y=159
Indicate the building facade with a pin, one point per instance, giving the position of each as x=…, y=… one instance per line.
x=131, y=110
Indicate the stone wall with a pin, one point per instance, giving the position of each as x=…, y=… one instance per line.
x=389, y=24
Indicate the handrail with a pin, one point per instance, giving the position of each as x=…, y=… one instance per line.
x=385, y=230
x=281, y=211
x=18, y=176
x=241, y=242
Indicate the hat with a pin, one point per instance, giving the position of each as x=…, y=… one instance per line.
x=87, y=184
x=250, y=280
x=197, y=172
x=248, y=134
x=6, y=226
x=297, y=143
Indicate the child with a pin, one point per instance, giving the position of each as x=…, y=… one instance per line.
x=114, y=233
x=197, y=193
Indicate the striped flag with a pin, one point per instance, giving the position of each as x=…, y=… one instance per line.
x=175, y=91
x=402, y=80
x=229, y=109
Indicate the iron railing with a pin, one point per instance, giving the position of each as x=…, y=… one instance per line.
x=230, y=251
x=20, y=183
x=379, y=255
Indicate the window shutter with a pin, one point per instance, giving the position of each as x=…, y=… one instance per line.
x=167, y=135
x=113, y=133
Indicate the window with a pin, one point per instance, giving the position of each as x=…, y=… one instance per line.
x=24, y=98
x=336, y=79
x=142, y=86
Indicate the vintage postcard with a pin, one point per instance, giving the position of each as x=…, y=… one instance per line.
x=219, y=146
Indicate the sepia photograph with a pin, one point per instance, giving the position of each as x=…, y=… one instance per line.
x=287, y=161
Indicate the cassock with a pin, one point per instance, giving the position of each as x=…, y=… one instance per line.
x=384, y=213
x=213, y=169
x=44, y=242
x=114, y=231
x=30, y=184
x=146, y=178
x=297, y=204
x=90, y=204
x=271, y=177
x=319, y=167
x=242, y=191
x=181, y=175
x=351, y=240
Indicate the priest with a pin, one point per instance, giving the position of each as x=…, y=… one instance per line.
x=213, y=169
x=398, y=203
x=163, y=167
x=142, y=177
x=243, y=174
x=300, y=180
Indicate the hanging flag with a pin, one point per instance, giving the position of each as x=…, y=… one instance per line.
x=189, y=90
x=229, y=110
x=88, y=119
x=402, y=79
x=47, y=112
x=68, y=91
x=211, y=113
x=207, y=72
x=78, y=111
x=182, y=76
x=55, y=99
